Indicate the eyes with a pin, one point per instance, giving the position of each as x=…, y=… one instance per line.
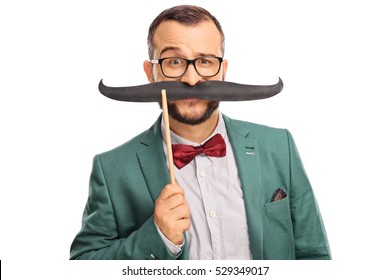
x=174, y=67
x=180, y=62
x=204, y=61
x=176, y=61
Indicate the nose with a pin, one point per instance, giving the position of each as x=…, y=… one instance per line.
x=191, y=77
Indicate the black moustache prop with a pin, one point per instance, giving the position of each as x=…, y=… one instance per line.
x=208, y=90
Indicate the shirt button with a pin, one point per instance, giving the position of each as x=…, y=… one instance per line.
x=202, y=173
x=212, y=214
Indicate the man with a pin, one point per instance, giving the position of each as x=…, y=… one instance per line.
x=252, y=201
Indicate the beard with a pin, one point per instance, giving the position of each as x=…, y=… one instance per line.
x=174, y=112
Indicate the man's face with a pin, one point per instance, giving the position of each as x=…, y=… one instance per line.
x=173, y=39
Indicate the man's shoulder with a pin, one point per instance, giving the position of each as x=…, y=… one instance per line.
x=254, y=129
x=271, y=139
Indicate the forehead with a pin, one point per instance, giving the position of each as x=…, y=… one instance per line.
x=187, y=40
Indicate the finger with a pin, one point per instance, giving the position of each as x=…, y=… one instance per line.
x=169, y=190
x=173, y=208
x=184, y=224
x=165, y=215
x=174, y=201
x=180, y=212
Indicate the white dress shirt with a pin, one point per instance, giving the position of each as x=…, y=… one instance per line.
x=213, y=191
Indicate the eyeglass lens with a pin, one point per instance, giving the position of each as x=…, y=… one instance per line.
x=176, y=66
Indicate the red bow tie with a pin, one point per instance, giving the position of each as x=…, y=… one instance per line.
x=183, y=154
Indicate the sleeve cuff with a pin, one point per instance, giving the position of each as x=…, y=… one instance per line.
x=174, y=249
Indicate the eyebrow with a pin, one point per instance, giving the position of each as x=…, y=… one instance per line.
x=168, y=49
x=176, y=49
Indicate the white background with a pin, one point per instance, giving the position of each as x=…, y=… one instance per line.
x=333, y=57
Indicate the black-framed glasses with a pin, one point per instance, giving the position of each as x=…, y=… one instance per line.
x=175, y=67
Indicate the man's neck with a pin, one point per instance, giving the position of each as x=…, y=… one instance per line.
x=195, y=133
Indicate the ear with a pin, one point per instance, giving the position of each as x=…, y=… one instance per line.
x=224, y=69
x=148, y=68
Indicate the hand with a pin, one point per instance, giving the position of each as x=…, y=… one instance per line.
x=171, y=213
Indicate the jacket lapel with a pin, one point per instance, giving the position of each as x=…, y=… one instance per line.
x=153, y=161
x=247, y=157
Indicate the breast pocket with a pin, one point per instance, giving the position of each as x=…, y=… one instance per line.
x=281, y=207
x=278, y=230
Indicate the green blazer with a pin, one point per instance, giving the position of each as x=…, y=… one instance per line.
x=125, y=182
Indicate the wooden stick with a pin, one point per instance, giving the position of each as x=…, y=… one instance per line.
x=168, y=136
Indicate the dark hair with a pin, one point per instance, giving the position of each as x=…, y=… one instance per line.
x=185, y=14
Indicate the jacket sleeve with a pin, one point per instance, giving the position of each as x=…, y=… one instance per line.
x=309, y=233
x=98, y=237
